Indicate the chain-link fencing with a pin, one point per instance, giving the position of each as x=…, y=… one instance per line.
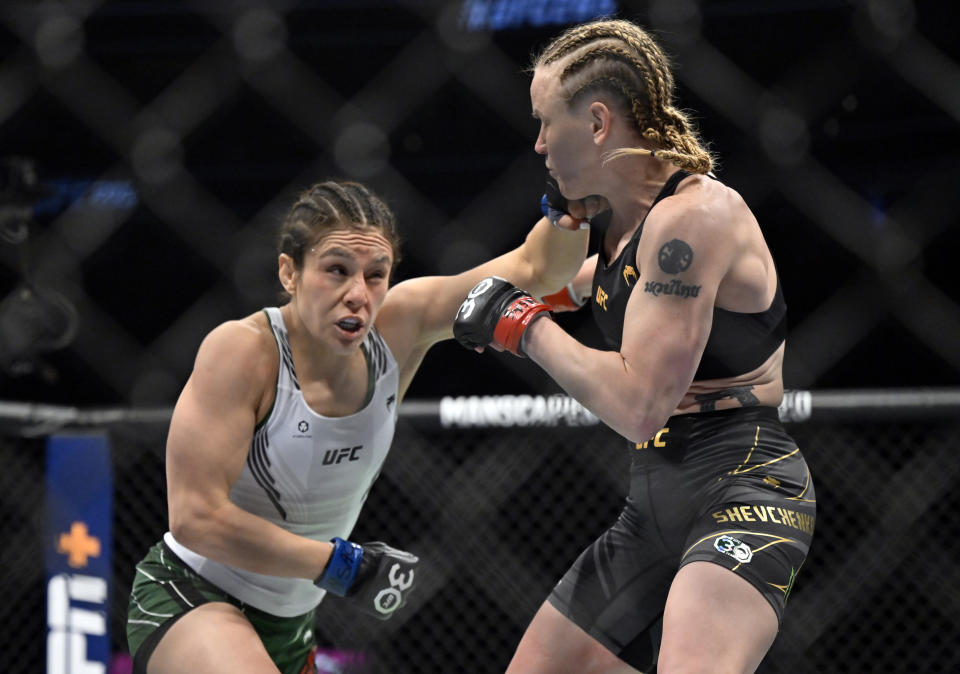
x=173, y=135
x=170, y=136
x=497, y=515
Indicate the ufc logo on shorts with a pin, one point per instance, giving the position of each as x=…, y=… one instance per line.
x=470, y=303
x=389, y=599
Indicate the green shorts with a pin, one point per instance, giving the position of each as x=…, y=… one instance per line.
x=165, y=589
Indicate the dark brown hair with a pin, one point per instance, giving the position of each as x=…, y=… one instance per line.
x=331, y=205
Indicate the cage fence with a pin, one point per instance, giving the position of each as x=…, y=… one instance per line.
x=182, y=131
x=137, y=136
x=497, y=507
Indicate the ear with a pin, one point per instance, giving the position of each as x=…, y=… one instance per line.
x=601, y=120
x=287, y=271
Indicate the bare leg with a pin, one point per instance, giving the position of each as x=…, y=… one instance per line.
x=714, y=621
x=554, y=645
x=213, y=638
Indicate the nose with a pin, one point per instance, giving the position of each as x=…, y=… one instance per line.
x=540, y=146
x=356, y=295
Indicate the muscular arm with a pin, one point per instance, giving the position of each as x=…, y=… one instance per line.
x=210, y=435
x=419, y=313
x=582, y=283
x=666, y=326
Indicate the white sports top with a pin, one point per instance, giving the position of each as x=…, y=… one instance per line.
x=307, y=473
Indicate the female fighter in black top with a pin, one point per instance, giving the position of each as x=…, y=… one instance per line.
x=695, y=573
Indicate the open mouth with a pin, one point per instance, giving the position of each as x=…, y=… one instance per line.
x=350, y=325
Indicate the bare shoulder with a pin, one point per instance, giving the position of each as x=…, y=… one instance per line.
x=245, y=336
x=407, y=314
x=240, y=353
x=718, y=227
x=413, y=293
x=705, y=209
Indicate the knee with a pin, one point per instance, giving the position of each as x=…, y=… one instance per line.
x=717, y=660
x=686, y=663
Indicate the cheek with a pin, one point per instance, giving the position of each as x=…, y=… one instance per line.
x=314, y=289
x=563, y=145
x=567, y=159
x=564, y=153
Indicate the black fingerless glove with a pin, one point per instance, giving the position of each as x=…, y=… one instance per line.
x=377, y=577
x=496, y=312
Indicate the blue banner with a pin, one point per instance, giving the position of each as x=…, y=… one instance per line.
x=78, y=547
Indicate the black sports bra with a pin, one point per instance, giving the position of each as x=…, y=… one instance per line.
x=738, y=342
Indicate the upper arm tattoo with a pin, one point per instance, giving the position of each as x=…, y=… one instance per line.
x=675, y=256
x=742, y=394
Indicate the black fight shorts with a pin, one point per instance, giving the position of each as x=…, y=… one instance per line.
x=729, y=487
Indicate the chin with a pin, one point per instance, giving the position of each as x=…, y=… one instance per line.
x=348, y=346
x=352, y=342
x=570, y=192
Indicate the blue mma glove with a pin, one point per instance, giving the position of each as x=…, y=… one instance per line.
x=554, y=206
x=375, y=576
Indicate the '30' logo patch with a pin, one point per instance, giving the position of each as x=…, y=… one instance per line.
x=734, y=547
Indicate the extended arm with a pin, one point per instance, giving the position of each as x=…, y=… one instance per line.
x=666, y=326
x=419, y=313
x=575, y=294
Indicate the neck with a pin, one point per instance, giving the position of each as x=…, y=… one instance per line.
x=312, y=360
x=633, y=191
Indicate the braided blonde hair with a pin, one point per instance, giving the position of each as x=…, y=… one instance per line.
x=621, y=59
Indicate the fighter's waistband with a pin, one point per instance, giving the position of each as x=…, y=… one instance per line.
x=681, y=428
x=172, y=556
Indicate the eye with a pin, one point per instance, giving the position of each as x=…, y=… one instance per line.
x=337, y=269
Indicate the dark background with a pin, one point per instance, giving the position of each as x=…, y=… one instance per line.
x=169, y=138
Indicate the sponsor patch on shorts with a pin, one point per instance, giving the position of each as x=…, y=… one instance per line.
x=734, y=547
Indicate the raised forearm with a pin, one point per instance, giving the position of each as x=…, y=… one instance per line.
x=555, y=256
x=602, y=381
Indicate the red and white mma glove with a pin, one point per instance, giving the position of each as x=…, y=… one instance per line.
x=496, y=313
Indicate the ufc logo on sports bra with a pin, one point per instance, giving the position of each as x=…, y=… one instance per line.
x=602, y=297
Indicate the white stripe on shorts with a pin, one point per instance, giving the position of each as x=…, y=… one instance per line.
x=143, y=622
x=181, y=594
x=143, y=610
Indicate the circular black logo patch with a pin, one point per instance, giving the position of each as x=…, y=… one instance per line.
x=675, y=256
